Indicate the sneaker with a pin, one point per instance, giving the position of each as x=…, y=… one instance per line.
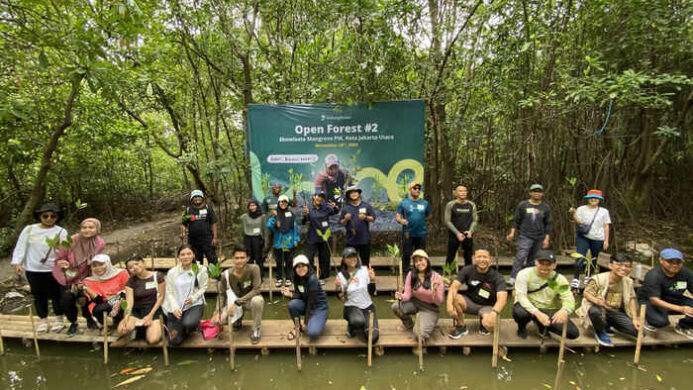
x=238, y=324
x=510, y=283
x=91, y=324
x=610, y=331
x=287, y=283
x=42, y=326
x=483, y=331
x=603, y=339
x=522, y=333
x=322, y=282
x=649, y=328
x=349, y=334
x=278, y=283
x=72, y=330
x=575, y=283
x=688, y=333
x=255, y=336
x=458, y=332
x=58, y=325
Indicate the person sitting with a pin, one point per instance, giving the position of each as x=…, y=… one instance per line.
x=663, y=292
x=355, y=283
x=543, y=295
x=184, y=302
x=105, y=288
x=485, y=294
x=609, y=301
x=423, y=293
x=307, y=299
x=144, y=295
x=242, y=286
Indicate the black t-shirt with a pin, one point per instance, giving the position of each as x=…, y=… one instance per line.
x=462, y=215
x=482, y=288
x=671, y=290
x=145, y=291
x=200, y=222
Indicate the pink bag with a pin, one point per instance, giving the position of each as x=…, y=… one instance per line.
x=209, y=329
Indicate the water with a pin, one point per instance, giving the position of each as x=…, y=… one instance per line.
x=76, y=366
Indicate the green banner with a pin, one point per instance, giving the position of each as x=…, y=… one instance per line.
x=378, y=147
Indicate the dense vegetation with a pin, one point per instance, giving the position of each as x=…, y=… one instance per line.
x=123, y=103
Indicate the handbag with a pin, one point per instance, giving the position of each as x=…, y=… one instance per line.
x=583, y=229
x=209, y=329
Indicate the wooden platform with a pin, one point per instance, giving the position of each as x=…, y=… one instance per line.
x=392, y=335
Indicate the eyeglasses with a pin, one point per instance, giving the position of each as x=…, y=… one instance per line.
x=49, y=216
x=416, y=188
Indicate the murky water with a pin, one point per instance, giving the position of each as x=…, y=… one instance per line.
x=77, y=366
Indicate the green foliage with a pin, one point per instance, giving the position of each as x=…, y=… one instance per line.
x=214, y=271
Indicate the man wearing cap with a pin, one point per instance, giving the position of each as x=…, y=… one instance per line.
x=532, y=223
x=663, y=291
x=592, y=231
x=543, y=295
x=356, y=216
x=319, y=232
x=411, y=214
x=332, y=180
x=270, y=202
x=609, y=301
x=200, y=226
x=461, y=219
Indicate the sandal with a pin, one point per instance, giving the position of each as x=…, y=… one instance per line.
x=292, y=333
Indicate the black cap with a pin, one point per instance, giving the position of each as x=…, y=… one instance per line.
x=48, y=207
x=620, y=258
x=545, y=254
x=349, y=252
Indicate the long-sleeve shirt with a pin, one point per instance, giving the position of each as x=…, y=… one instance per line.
x=312, y=294
x=245, y=287
x=357, y=230
x=547, y=298
x=434, y=295
x=319, y=220
x=461, y=216
x=286, y=240
x=32, y=249
x=176, y=296
x=254, y=226
x=532, y=220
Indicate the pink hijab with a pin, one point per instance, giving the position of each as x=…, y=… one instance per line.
x=79, y=256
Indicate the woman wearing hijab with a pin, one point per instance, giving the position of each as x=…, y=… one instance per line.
x=36, y=258
x=355, y=283
x=284, y=226
x=254, y=232
x=73, y=265
x=105, y=288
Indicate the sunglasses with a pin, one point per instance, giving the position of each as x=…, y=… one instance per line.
x=416, y=188
x=49, y=216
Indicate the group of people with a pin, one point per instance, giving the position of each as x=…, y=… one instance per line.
x=74, y=272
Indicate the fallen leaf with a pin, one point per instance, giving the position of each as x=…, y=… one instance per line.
x=572, y=383
x=622, y=378
x=659, y=378
x=642, y=369
x=128, y=381
x=547, y=386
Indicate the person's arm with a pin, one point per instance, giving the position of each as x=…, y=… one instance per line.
x=447, y=218
x=517, y=221
x=19, y=253
x=203, y=280
x=567, y=298
x=370, y=213
x=270, y=223
x=170, y=296
x=438, y=289
x=159, y=299
x=130, y=299
x=521, y=293
x=547, y=223
x=223, y=286
x=407, y=287
x=343, y=219
x=256, y=288
x=399, y=215
x=215, y=239
x=452, y=291
x=501, y=301
x=591, y=293
x=475, y=219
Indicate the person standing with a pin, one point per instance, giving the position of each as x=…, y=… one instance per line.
x=200, y=227
x=286, y=235
x=592, y=232
x=411, y=214
x=532, y=224
x=254, y=232
x=271, y=201
x=461, y=219
x=33, y=256
x=319, y=232
x=357, y=216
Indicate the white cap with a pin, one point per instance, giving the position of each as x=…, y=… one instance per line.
x=300, y=259
x=283, y=198
x=195, y=193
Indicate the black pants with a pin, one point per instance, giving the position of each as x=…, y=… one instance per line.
x=69, y=301
x=322, y=249
x=357, y=322
x=44, y=287
x=179, y=329
x=659, y=317
x=522, y=317
x=255, y=246
x=454, y=245
x=202, y=247
x=617, y=319
x=364, y=251
x=284, y=259
x=105, y=307
x=409, y=245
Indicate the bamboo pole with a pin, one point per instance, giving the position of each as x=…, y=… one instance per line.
x=496, y=340
x=164, y=341
x=370, y=338
x=400, y=282
x=641, y=331
x=232, y=345
x=297, y=333
x=561, y=362
x=2, y=344
x=105, y=339
x=33, y=330
x=419, y=340
x=271, y=282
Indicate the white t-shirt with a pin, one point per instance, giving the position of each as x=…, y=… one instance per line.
x=184, y=286
x=584, y=214
x=32, y=247
x=357, y=289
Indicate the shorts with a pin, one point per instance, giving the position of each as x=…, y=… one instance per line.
x=475, y=308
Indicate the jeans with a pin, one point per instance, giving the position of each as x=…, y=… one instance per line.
x=409, y=245
x=202, y=247
x=44, y=287
x=283, y=258
x=357, y=321
x=523, y=317
x=659, y=317
x=179, y=329
x=315, y=322
x=582, y=245
x=526, y=248
x=405, y=310
x=322, y=249
x=617, y=319
x=454, y=245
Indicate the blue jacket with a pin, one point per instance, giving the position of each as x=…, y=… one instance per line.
x=284, y=240
x=318, y=219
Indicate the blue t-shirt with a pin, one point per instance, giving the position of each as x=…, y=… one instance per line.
x=414, y=211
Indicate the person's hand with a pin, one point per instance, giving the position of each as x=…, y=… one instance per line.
x=398, y=295
x=338, y=282
x=460, y=237
x=469, y=234
x=286, y=292
x=18, y=269
x=347, y=217
x=187, y=302
x=559, y=317
x=371, y=273
x=571, y=210
x=542, y=318
x=488, y=320
x=636, y=323
x=605, y=247
x=435, y=287
x=362, y=216
x=147, y=320
x=451, y=310
x=216, y=318
x=274, y=212
x=231, y=310
x=115, y=310
x=688, y=310
x=510, y=236
x=402, y=221
x=305, y=209
x=178, y=313
x=277, y=224
x=215, y=241
x=545, y=243
x=64, y=264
